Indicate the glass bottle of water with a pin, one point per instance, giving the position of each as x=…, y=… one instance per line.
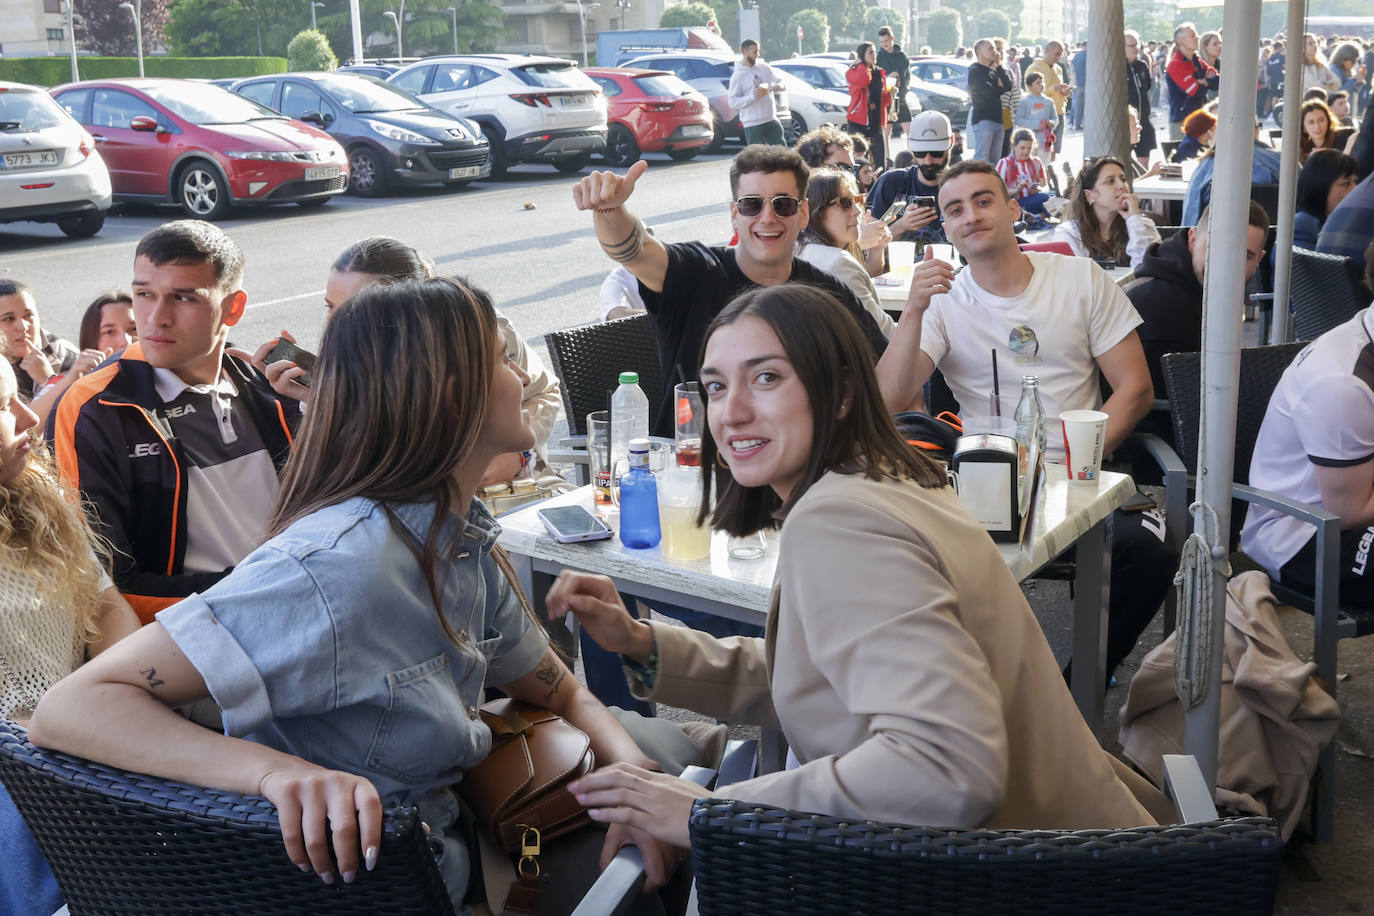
x=1030, y=415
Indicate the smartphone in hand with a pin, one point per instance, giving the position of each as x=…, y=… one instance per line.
x=286, y=350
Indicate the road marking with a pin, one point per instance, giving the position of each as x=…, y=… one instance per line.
x=257, y=305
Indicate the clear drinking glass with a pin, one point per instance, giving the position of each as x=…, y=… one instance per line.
x=599, y=453
x=748, y=546
x=690, y=414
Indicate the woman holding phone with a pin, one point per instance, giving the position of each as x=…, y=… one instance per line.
x=396, y=611
x=900, y=660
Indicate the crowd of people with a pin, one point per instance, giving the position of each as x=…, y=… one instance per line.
x=185, y=525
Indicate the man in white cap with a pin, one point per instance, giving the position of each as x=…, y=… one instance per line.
x=920, y=220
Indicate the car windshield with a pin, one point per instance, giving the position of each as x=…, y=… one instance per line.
x=831, y=78
x=23, y=111
x=553, y=76
x=368, y=94
x=201, y=103
x=664, y=84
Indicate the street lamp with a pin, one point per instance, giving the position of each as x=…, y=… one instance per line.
x=313, y=4
x=582, y=22
x=138, y=31
x=71, y=40
x=623, y=6
x=454, y=11
x=397, y=22
x=258, y=22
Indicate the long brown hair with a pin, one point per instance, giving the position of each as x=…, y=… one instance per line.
x=823, y=188
x=1081, y=212
x=835, y=364
x=389, y=432
x=1305, y=144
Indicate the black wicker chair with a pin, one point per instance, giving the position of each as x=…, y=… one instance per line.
x=1323, y=292
x=756, y=860
x=1260, y=371
x=123, y=844
x=588, y=361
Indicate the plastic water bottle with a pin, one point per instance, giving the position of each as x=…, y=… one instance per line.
x=1030, y=415
x=629, y=419
x=639, y=499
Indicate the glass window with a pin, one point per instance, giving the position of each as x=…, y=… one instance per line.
x=202, y=103
x=258, y=92
x=451, y=78
x=27, y=110
x=54, y=34
x=75, y=103
x=662, y=85
x=298, y=100
x=413, y=80
x=481, y=75
x=552, y=76
x=113, y=108
x=609, y=87
x=365, y=94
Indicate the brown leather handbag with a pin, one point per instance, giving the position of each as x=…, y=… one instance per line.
x=523, y=781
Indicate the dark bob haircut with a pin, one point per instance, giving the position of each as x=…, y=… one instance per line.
x=1323, y=168
x=834, y=362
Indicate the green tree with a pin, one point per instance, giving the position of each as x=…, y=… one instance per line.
x=107, y=29
x=994, y=24
x=878, y=16
x=310, y=50
x=686, y=15
x=944, y=30
x=846, y=22
x=727, y=20
x=815, y=27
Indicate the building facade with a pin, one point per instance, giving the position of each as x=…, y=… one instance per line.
x=32, y=28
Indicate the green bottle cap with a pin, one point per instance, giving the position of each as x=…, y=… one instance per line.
x=629, y=378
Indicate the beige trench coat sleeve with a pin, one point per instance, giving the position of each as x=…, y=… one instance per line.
x=722, y=678
x=541, y=398
x=882, y=627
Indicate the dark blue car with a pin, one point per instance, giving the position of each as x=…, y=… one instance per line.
x=391, y=137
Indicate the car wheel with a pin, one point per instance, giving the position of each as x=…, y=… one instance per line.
x=718, y=139
x=201, y=192
x=366, y=173
x=684, y=155
x=573, y=164
x=621, y=148
x=496, y=140
x=794, y=130
x=81, y=225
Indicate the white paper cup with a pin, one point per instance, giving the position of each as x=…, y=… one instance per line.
x=902, y=256
x=944, y=253
x=1084, y=432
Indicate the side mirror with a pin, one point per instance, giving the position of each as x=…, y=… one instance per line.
x=313, y=117
x=144, y=124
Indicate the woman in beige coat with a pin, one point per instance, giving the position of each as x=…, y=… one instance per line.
x=900, y=659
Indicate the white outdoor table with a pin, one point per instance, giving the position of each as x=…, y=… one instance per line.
x=1157, y=188
x=1068, y=515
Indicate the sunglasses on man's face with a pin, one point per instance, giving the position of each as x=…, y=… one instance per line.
x=783, y=205
x=937, y=155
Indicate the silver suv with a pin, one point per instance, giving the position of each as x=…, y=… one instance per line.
x=531, y=109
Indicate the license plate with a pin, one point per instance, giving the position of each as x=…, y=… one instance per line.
x=29, y=159
x=471, y=171
x=572, y=101
x=695, y=130
x=321, y=172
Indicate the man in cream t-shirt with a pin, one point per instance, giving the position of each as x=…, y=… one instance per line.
x=1061, y=319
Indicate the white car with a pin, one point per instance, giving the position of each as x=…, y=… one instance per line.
x=825, y=72
x=50, y=171
x=811, y=107
x=531, y=109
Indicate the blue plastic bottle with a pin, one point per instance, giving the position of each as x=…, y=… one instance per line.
x=639, y=500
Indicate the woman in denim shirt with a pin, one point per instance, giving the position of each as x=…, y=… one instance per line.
x=351, y=649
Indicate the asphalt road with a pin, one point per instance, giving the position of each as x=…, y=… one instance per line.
x=542, y=266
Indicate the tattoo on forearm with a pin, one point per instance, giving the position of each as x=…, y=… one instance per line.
x=150, y=675
x=628, y=248
x=550, y=672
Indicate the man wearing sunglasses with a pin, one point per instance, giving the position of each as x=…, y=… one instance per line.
x=929, y=140
x=686, y=284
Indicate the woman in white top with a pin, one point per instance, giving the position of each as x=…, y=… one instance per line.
x=1104, y=218
x=57, y=606
x=1315, y=69
x=830, y=241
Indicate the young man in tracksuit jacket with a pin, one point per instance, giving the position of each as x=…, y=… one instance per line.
x=175, y=444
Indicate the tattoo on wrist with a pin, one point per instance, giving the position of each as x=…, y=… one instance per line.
x=150, y=676
x=628, y=248
x=550, y=672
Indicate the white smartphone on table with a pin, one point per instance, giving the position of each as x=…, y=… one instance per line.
x=569, y=524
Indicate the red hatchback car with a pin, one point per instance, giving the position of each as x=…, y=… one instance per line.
x=651, y=111
x=203, y=147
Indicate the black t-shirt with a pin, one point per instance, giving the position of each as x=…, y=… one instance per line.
x=702, y=280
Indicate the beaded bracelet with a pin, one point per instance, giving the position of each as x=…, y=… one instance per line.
x=647, y=673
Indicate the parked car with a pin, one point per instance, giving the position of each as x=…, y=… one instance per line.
x=381, y=71
x=825, y=72
x=532, y=109
x=649, y=111
x=50, y=171
x=950, y=100
x=947, y=71
x=708, y=72
x=390, y=136
x=203, y=148
x=811, y=106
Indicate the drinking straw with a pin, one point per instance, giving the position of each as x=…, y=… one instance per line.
x=996, y=388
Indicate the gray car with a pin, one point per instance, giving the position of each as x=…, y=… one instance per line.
x=391, y=137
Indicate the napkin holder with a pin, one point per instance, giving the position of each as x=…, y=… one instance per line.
x=996, y=483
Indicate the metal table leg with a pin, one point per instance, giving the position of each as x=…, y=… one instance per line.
x=1092, y=589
